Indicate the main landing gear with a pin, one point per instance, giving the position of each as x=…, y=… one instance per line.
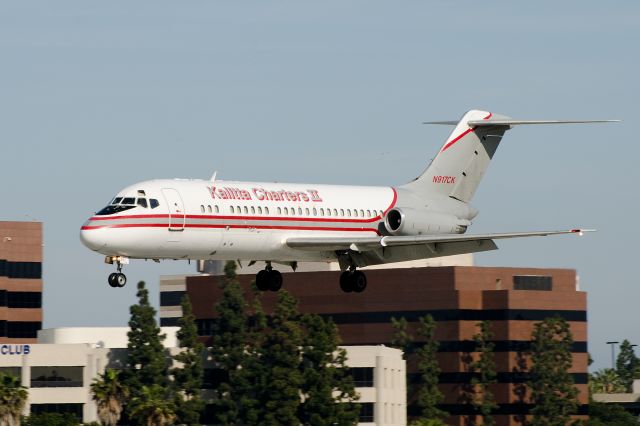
x=269, y=279
x=353, y=281
x=117, y=279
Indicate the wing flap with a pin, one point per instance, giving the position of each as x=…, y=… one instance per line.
x=373, y=243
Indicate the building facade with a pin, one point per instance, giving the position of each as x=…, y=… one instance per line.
x=59, y=369
x=458, y=298
x=20, y=282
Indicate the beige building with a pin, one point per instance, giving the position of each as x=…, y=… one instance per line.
x=59, y=369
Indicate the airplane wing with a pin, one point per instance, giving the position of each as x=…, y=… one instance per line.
x=363, y=244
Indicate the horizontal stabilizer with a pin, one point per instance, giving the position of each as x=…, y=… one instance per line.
x=510, y=122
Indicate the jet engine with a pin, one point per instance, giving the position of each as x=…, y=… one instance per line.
x=408, y=221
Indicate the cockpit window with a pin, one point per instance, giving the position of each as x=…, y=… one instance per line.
x=113, y=209
x=116, y=200
x=142, y=202
x=128, y=201
x=154, y=203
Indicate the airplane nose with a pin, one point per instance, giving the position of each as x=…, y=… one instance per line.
x=92, y=238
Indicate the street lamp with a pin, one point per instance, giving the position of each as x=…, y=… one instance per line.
x=613, y=345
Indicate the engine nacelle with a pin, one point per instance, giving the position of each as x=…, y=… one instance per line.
x=408, y=221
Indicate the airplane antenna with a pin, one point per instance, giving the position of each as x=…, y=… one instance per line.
x=213, y=177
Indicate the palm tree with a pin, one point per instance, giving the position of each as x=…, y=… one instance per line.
x=606, y=381
x=154, y=406
x=109, y=393
x=13, y=397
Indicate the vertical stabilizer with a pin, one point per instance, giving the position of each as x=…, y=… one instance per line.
x=463, y=159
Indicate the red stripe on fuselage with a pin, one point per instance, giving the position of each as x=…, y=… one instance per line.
x=219, y=226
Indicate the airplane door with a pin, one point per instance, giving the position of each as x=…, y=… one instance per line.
x=176, y=209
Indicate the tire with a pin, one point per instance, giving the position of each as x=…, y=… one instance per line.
x=346, y=284
x=121, y=280
x=262, y=280
x=112, y=280
x=359, y=281
x=275, y=280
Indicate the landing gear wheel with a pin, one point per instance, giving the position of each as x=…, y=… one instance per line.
x=121, y=280
x=275, y=280
x=112, y=280
x=358, y=281
x=345, y=282
x=262, y=280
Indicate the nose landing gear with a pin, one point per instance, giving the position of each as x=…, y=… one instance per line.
x=116, y=279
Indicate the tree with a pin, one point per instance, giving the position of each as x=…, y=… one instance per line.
x=606, y=381
x=553, y=393
x=228, y=348
x=428, y=393
x=401, y=338
x=188, y=377
x=13, y=397
x=485, y=367
x=327, y=387
x=109, y=393
x=51, y=419
x=154, y=405
x=601, y=414
x=627, y=364
x=147, y=361
x=280, y=394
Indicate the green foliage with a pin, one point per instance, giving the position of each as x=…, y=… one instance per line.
x=627, y=365
x=154, y=405
x=188, y=376
x=429, y=396
x=327, y=387
x=485, y=366
x=606, y=381
x=13, y=397
x=427, y=422
x=601, y=414
x=401, y=338
x=228, y=349
x=281, y=353
x=552, y=389
x=50, y=419
x=147, y=360
x=109, y=393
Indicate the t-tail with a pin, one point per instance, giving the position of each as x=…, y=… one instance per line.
x=462, y=161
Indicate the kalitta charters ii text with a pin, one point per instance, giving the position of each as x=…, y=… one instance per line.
x=261, y=194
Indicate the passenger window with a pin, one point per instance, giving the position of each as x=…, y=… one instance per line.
x=306, y=211
x=286, y=211
x=253, y=210
x=300, y=211
x=315, y=212
x=142, y=202
x=231, y=209
x=368, y=213
x=348, y=212
x=355, y=212
x=328, y=212
x=293, y=211
x=279, y=211
x=266, y=210
x=246, y=210
x=259, y=210
x=208, y=208
x=361, y=213
x=342, y=212
x=321, y=212
x=154, y=203
x=201, y=209
x=335, y=212
x=217, y=209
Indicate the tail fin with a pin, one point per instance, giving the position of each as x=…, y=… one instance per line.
x=460, y=165
x=463, y=159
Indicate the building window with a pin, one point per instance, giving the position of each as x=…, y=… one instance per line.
x=212, y=377
x=23, y=299
x=532, y=282
x=362, y=376
x=56, y=377
x=23, y=329
x=12, y=371
x=366, y=412
x=74, y=409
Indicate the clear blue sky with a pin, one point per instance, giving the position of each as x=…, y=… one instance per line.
x=97, y=95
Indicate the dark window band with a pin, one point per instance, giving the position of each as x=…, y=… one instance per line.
x=503, y=409
x=171, y=298
x=458, y=315
x=578, y=378
x=23, y=329
x=31, y=270
x=470, y=346
x=169, y=322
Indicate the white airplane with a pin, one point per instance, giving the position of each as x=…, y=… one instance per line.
x=286, y=223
